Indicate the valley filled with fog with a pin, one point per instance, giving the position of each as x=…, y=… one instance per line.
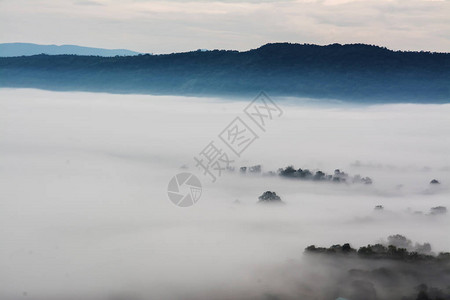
x=85, y=214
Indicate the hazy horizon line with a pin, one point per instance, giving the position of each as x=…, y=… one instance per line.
x=229, y=49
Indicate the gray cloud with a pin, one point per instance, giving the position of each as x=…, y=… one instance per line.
x=92, y=3
x=172, y=26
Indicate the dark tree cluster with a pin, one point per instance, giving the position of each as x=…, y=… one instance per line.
x=430, y=293
x=398, y=248
x=438, y=210
x=335, y=249
x=382, y=271
x=269, y=197
x=434, y=211
x=252, y=169
x=337, y=176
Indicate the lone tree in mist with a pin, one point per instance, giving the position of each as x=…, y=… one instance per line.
x=438, y=210
x=399, y=241
x=269, y=197
x=379, y=207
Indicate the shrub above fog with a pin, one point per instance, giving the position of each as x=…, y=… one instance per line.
x=438, y=210
x=269, y=197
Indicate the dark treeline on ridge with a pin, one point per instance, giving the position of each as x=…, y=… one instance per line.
x=398, y=247
x=355, y=72
x=393, y=269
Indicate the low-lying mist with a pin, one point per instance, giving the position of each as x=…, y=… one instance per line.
x=84, y=211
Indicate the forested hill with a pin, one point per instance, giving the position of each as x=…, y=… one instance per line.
x=354, y=72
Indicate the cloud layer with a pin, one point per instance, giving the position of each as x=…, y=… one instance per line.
x=84, y=211
x=173, y=26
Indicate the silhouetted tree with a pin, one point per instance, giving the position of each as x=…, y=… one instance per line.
x=269, y=196
x=255, y=169
x=438, y=210
x=379, y=207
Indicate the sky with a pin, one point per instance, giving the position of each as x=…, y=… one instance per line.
x=174, y=26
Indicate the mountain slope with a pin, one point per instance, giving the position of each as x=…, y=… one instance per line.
x=350, y=72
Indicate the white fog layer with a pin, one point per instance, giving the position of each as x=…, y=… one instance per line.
x=84, y=210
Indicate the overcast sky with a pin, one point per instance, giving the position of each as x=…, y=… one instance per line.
x=173, y=26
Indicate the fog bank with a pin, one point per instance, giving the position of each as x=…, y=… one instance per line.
x=84, y=211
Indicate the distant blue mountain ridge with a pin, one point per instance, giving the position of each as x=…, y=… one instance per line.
x=26, y=49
